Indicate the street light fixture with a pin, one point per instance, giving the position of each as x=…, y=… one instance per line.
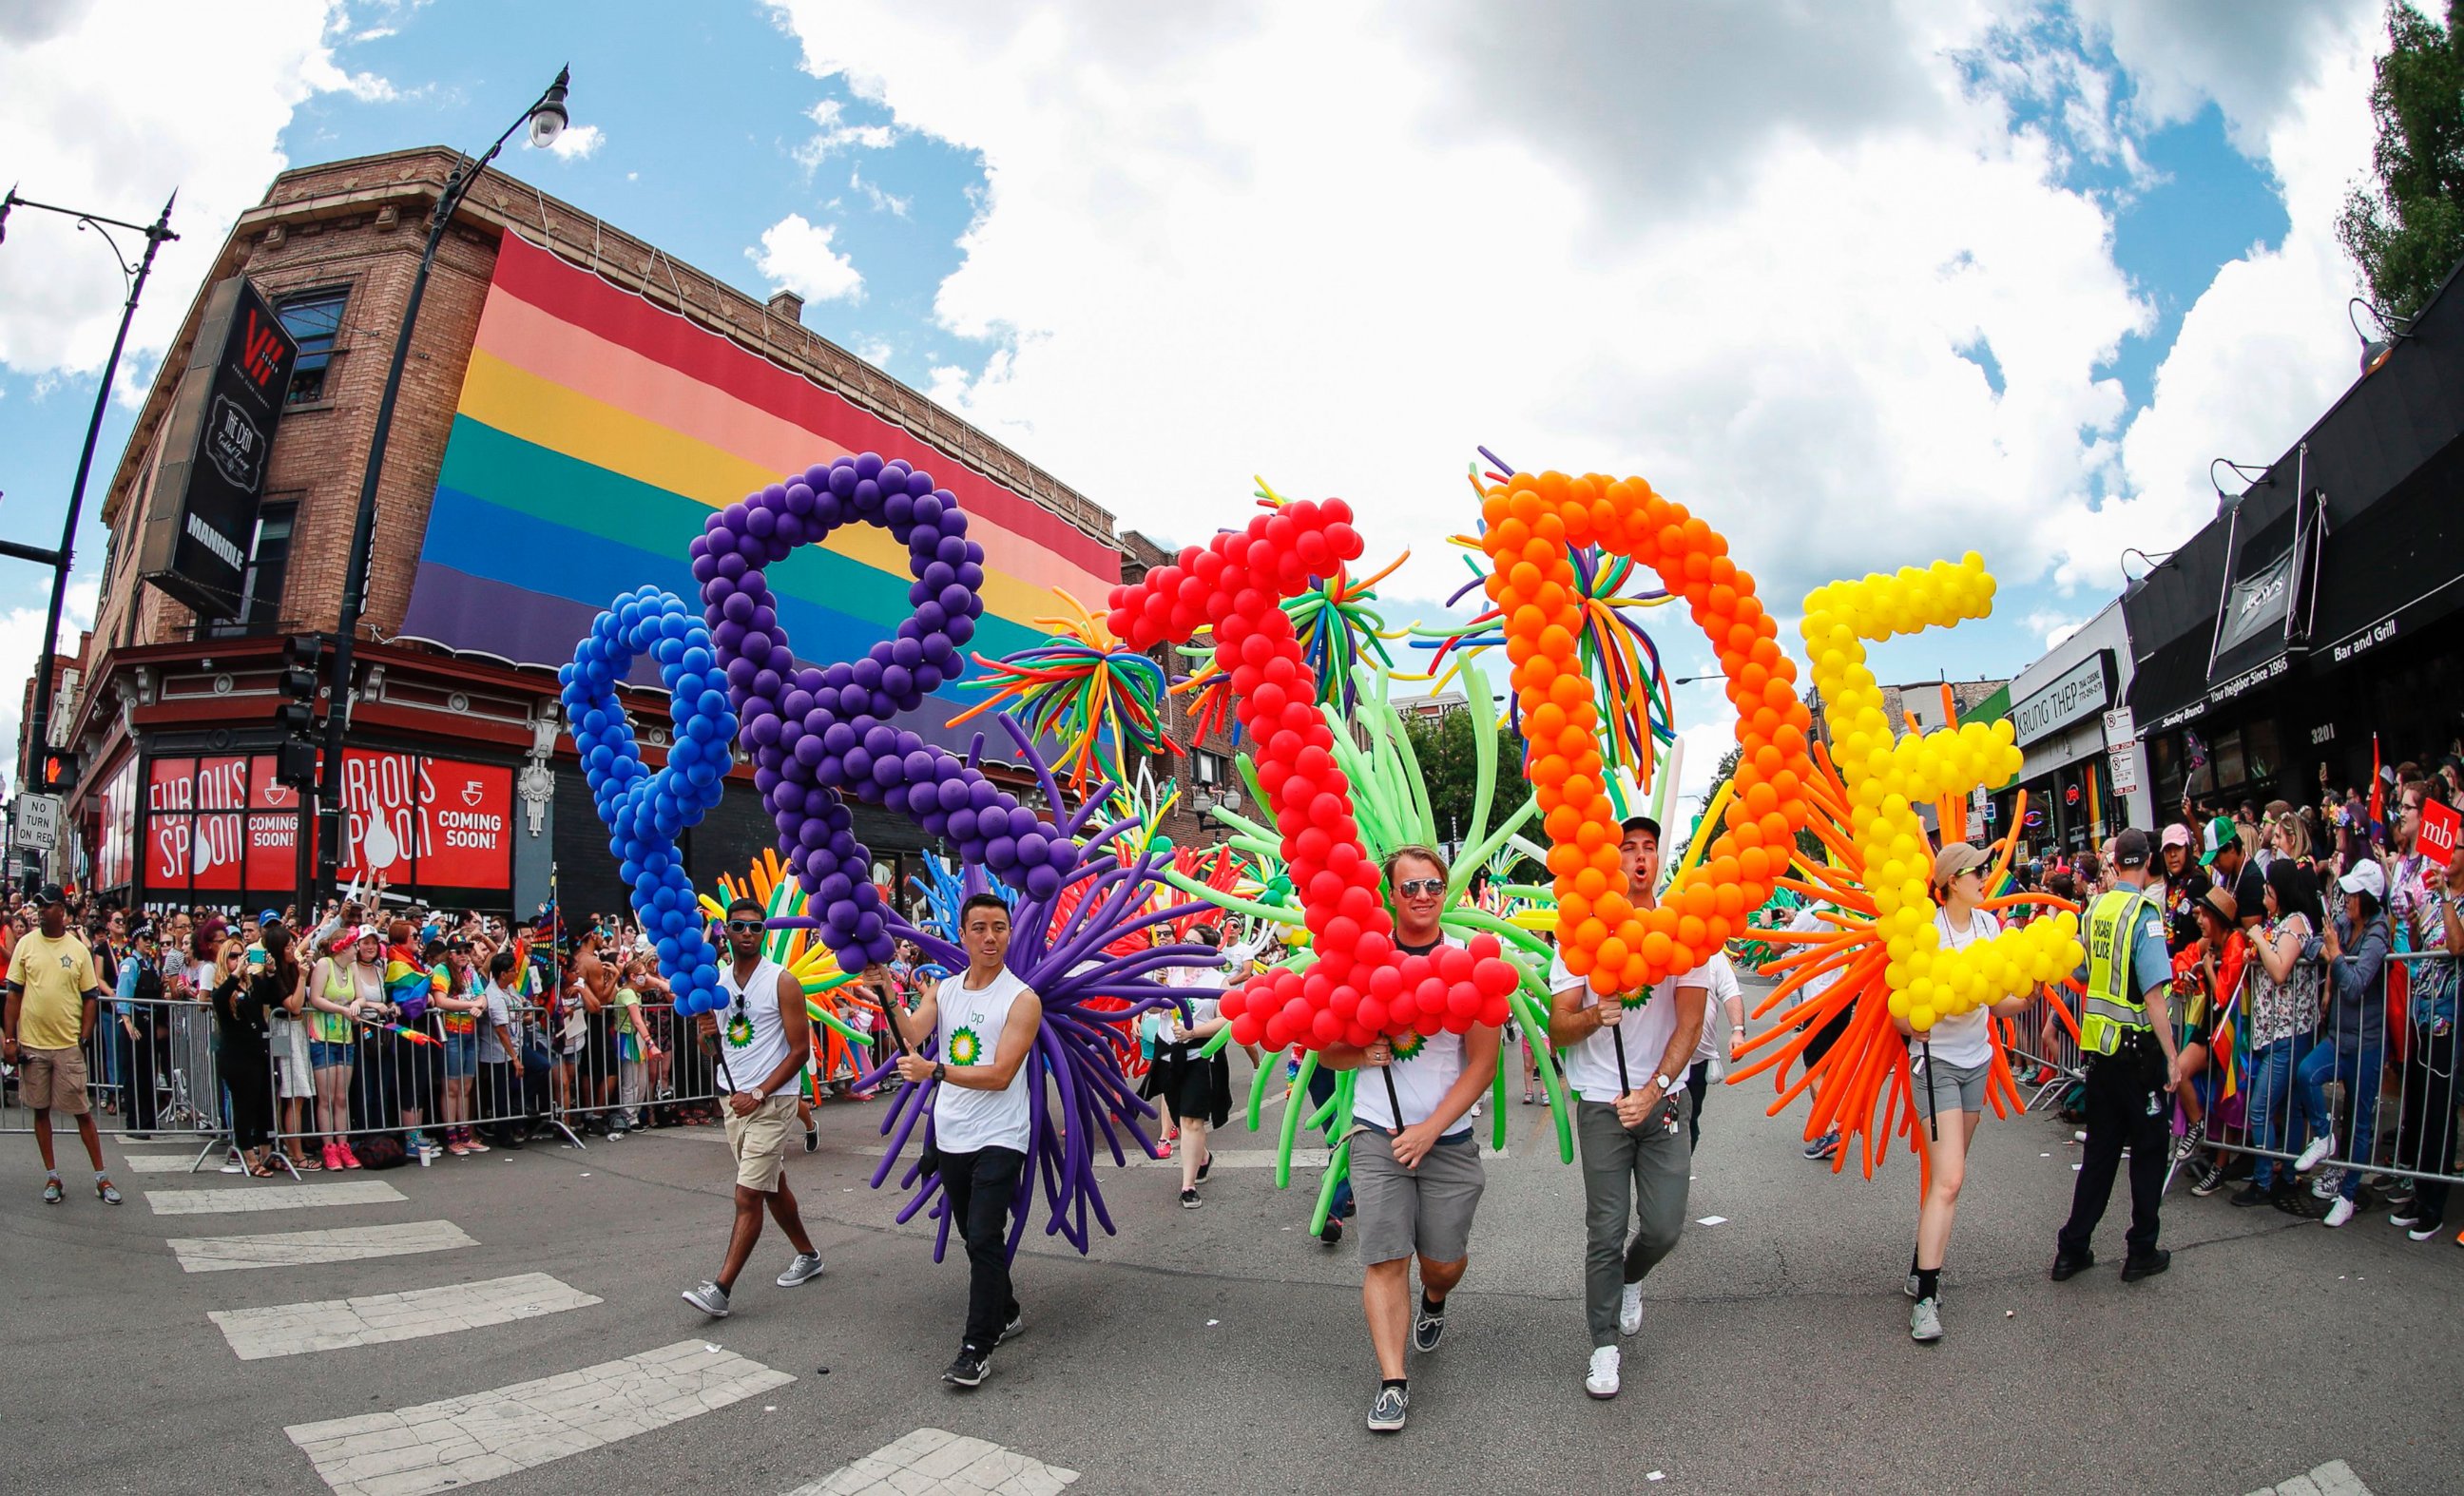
x=546, y=118
x=157, y=234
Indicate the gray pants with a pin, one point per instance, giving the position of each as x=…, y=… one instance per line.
x=1636, y=1173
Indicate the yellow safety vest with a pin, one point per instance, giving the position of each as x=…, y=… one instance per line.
x=2113, y=1005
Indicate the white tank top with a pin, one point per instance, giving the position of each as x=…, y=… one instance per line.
x=753, y=1038
x=970, y=1026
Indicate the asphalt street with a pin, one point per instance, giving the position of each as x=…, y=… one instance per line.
x=1222, y=1350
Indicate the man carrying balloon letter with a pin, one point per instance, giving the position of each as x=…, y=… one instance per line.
x=986, y=1020
x=763, y=1039
x=1626, y=1059
x=1416, y=1176
x=2126, y=1033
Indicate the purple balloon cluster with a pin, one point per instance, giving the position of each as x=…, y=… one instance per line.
x=818, y=736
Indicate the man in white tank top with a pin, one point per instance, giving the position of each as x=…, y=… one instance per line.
x=984, y=1021
x=763, y=1041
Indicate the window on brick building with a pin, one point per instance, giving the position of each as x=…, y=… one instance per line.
x=1206, y=768
x=314, y=317
x=260, y=586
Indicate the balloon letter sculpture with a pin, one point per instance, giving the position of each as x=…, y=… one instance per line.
x=1531, y=521
x=1360, y=986
x=1885, y=777
x=819, y=734
x=644, y=811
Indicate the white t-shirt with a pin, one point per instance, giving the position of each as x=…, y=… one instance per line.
x=751, y=1031
x=1592, y=1065
x=1965, y=1041
x=1422, y=1077
x=1724, y=984
x=970, y=1025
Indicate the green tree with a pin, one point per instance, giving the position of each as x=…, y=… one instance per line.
x=2406, y=229
x=1451, y=770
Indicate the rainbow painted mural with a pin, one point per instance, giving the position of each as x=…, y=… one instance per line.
x=596, y=433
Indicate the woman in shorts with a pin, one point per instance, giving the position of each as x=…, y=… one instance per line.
x=461, y=1006
x=346, y=985
x=1948, y=1068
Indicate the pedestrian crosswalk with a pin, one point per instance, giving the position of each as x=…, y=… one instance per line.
x=229, y=1200
x=300, y=1248
x=256, y=1335
x=480, y=1436
x=933, y=1461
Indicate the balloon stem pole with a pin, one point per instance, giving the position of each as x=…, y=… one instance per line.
x=1617, y=1042
x=1933, y=1112
x=1386, y=1072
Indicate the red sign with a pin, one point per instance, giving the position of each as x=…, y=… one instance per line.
x=2439, y=822
x=439, y=822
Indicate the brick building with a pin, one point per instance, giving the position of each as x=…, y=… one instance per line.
x=547, y=341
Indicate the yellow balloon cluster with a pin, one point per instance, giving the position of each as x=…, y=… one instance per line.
x=1887, y=777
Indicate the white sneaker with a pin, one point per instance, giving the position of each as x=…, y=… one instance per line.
x=2339, y=1213
x=1601, y=1381
x=2320, y=1148
x=1630, y=1312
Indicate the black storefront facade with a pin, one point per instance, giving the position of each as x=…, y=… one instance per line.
x=2325, y=607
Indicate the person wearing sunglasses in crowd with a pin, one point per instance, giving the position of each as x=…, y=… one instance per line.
x=763, y=1039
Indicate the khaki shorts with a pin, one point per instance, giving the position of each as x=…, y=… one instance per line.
x=759, y=1141
x=52, y=1080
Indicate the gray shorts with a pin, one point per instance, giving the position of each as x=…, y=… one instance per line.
x=1425, y=1210
x=1937, y=1083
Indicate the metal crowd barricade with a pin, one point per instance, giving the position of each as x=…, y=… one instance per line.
x=161, y=1080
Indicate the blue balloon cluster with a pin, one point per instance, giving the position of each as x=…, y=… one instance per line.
x=644, y=811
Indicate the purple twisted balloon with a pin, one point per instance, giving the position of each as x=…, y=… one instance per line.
x=818, y=736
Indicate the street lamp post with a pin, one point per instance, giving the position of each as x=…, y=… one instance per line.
x=546, y=119
x=157, y=234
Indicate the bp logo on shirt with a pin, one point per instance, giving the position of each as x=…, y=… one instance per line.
x=966, y=1047
x=740, y=1031
x=1408, y=1047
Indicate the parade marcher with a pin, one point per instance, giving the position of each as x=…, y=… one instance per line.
x=762, y=1037
x=1711, y=1056
x=1625, y=1059
x=1809, y=920
x=52, y=993
x=2126, y=1039
x=1949, y=1066
x=1201, y=1089
x=1416, y=1171
x=985, y=1021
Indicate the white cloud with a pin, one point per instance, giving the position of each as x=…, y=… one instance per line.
x=833, y=134
x=101, y=114
x=21, y=640
x=797, y=254
x=578, y=142
x=875, y=351
x=882, y=202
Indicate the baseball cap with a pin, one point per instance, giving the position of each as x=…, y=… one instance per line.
x=2221, y=834
x=1634, y=824
x=271, y=917
x=2130, y=849
x=2177, y=835
x=48, y=895
x=2366, y=877
x=1956, y=858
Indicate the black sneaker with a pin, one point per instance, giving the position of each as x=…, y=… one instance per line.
x=2149, y=1266
x=1208, y=1164
x=2250, y=1195
x=1333, y=1231
x=969, y=1369
x=2208, y=1181
x=812, y=1138
x=1386, y=1413
x=1189, y=1199
x=1427, y=1329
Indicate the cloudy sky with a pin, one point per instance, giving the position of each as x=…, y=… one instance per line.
x=1863, y=283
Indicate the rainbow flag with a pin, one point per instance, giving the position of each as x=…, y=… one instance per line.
x=596, y=432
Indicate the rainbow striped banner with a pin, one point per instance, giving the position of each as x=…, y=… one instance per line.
x=596, y=433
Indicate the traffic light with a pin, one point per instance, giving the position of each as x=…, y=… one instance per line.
x=303, y=659
x=295, y=763
x=59, y=772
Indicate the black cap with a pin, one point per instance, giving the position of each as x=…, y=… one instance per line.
x=144, y=930
x=1634, y=824
x=2130, y=849
x=50, y=894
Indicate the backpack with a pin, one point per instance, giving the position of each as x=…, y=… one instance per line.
x=380, y=1151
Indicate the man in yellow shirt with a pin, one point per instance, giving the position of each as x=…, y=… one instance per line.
x=52, y=992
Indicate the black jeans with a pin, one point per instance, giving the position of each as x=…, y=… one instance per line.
x=2425, y=1139
x=2125, y=1102
x=140, y=1061
x=978, y=1186
x=247, y=1074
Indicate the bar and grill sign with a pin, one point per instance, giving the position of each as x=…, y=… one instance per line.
x=201, y=523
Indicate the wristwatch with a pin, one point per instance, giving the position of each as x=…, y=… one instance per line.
x=940, y=1071
x=1670, y=1085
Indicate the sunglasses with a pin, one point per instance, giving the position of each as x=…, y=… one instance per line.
x=1415, y=888
x=744, y=926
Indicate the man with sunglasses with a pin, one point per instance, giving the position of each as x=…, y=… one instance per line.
x=1626, y=1058
x=986, y=1020
x=763, y=1041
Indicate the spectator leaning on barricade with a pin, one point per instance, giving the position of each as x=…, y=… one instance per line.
x=241, y=999
x=50, y=1014
x=511, y=1082
x=2354, y=944
x=2283, y=1007
x=2426, y=903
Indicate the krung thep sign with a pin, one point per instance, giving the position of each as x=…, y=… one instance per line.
x=201, y=523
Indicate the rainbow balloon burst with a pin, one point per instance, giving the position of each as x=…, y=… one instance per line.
x=1084, y=689
x=1629, y=685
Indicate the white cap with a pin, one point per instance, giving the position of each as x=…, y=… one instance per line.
x=2366, y=877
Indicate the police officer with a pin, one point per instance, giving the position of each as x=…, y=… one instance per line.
x=2126, y=1033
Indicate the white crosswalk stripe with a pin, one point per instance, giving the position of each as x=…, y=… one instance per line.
x=258, y=1334
x=272, y=1197
x=931, y=1462
x=296, y=1248
x=2335, y=1478
x=480, y=1436
x=167, y=1163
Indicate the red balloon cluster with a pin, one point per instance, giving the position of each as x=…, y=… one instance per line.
x=1360, y=986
